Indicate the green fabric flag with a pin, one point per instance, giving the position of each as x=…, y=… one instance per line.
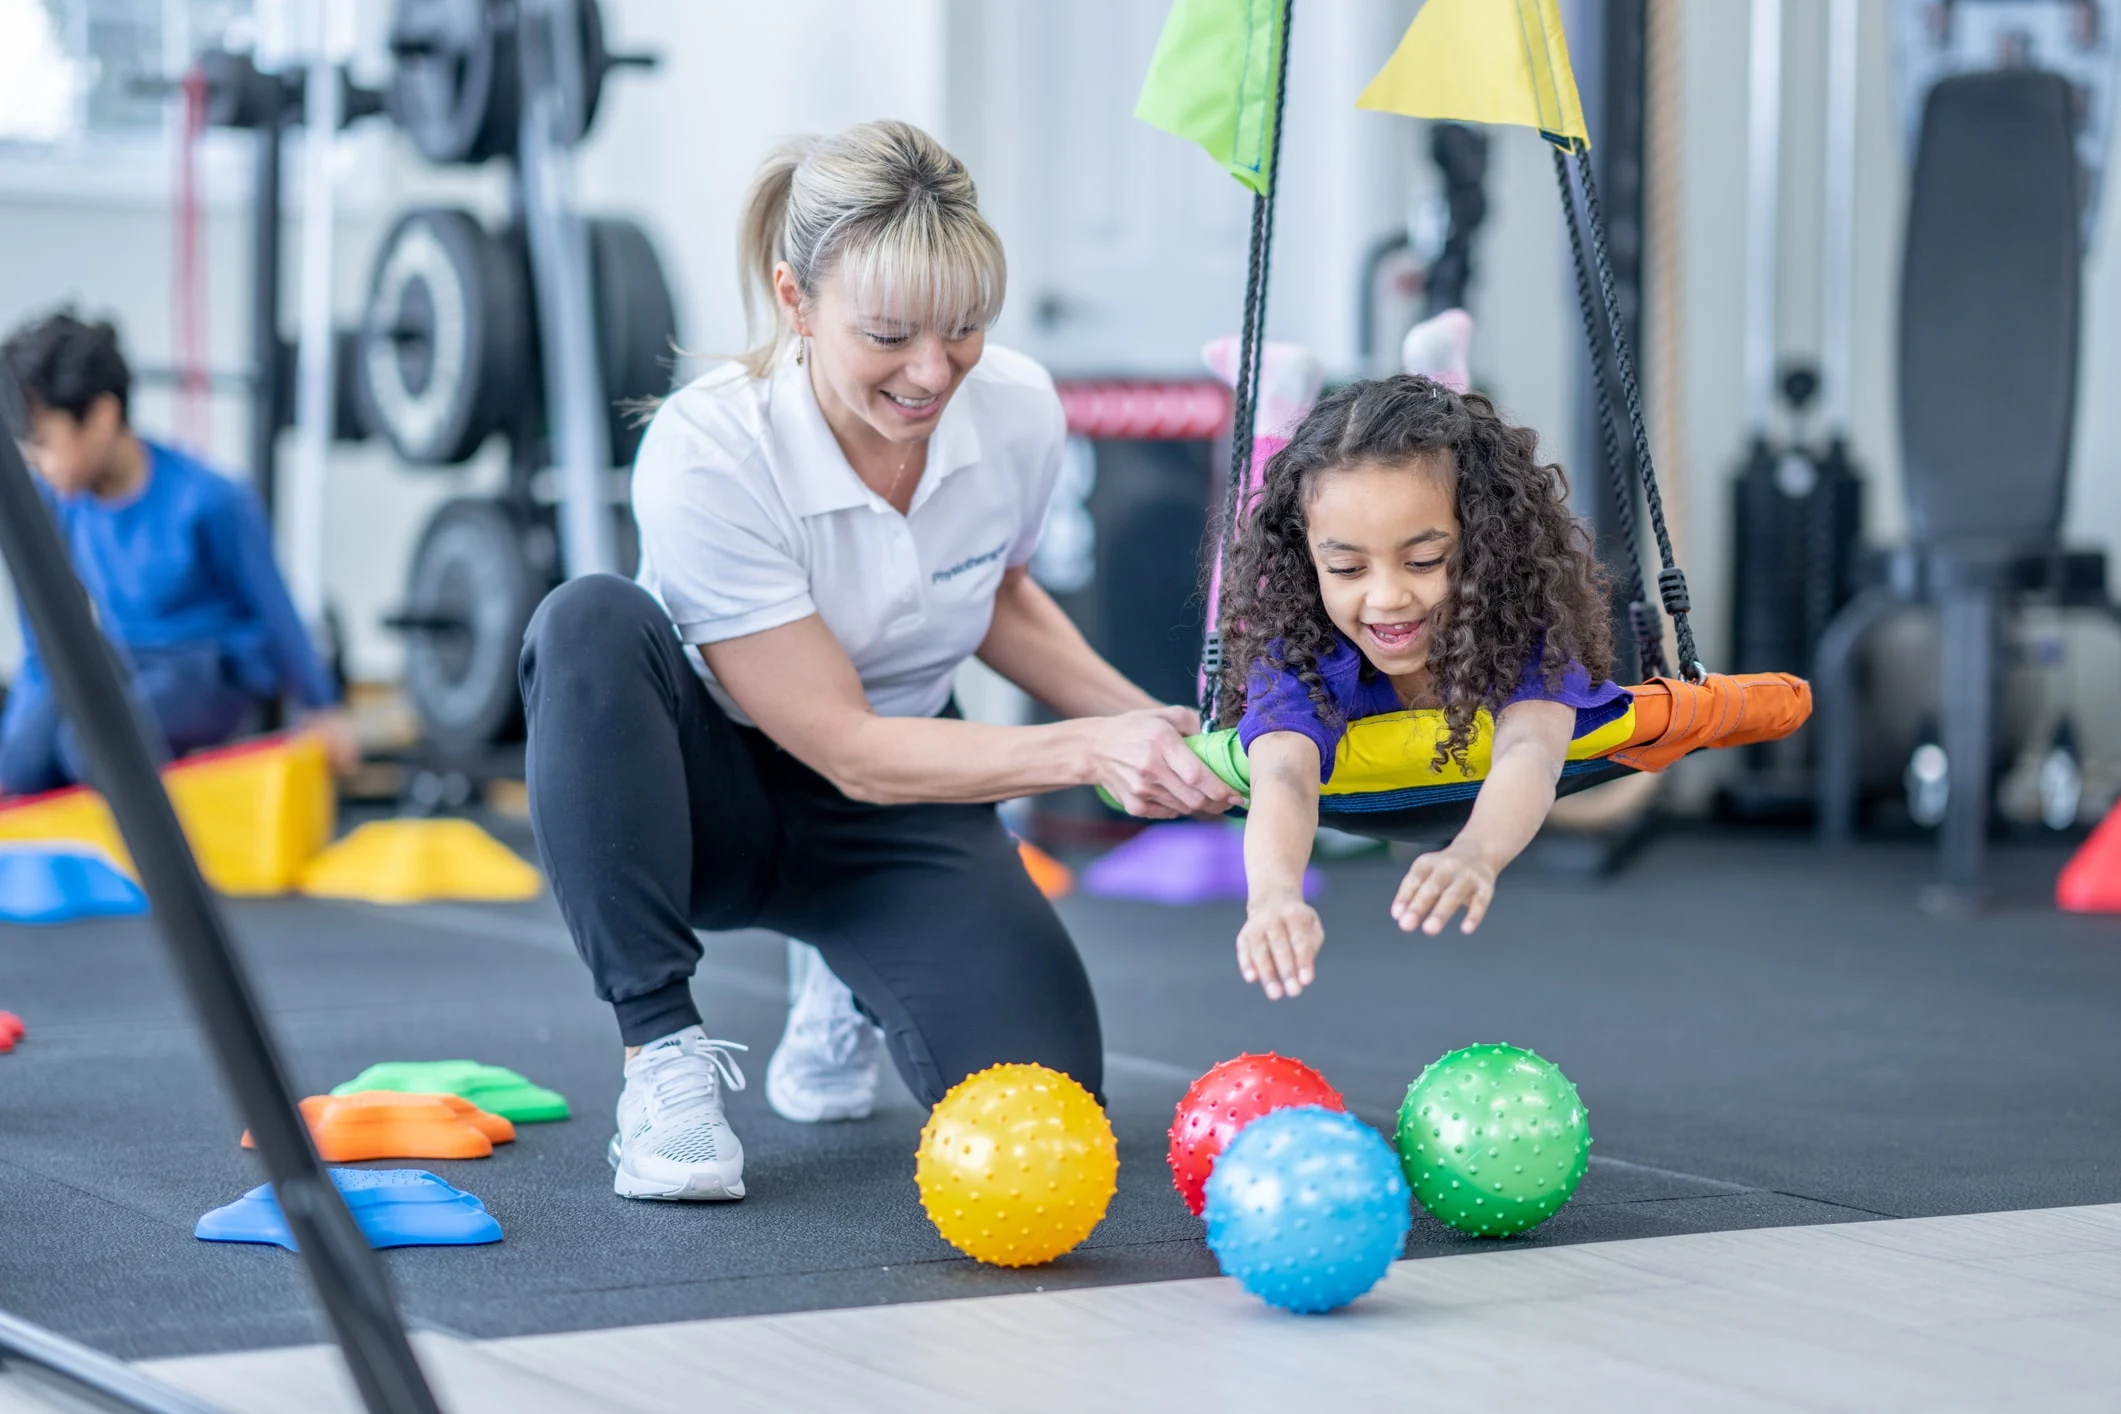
x=1212, y=82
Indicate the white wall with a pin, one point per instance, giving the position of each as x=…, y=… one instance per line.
x=674, y=147
x=1525, y=345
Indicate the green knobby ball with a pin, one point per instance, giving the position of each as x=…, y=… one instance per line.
x=1493, y=1139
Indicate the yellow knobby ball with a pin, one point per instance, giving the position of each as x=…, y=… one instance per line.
x=1016, y=1165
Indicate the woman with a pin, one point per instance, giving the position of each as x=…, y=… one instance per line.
x=760, y=732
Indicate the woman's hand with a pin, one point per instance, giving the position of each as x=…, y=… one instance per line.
x=1281, y=936
x=1440, y=884
x=1141, y=757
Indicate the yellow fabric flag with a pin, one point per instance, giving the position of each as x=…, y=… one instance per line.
x=1484, y=61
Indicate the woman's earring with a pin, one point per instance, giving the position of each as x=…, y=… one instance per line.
x=802, y=349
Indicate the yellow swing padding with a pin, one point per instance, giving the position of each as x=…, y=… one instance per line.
x=1387, y=764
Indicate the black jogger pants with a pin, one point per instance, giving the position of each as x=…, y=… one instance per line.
x=656, y=814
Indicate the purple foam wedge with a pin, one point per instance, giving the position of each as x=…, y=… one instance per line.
x=1185, y=861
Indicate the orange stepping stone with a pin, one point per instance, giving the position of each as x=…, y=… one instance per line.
x=390, y=1124
x=1054, y=879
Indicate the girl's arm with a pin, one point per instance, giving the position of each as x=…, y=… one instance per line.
x=1282, y=933
x=1035, y=645
x=1531, y=743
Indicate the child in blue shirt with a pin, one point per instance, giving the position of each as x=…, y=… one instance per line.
x=1409, y=549
x=176, y=559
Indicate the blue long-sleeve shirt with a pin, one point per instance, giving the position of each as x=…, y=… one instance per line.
x=188, y=561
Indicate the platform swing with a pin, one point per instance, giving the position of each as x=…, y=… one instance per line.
x=1219, y=78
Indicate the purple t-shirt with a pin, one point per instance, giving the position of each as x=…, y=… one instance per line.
x=1276, y=700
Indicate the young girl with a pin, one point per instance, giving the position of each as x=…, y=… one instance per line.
x=1408, y=549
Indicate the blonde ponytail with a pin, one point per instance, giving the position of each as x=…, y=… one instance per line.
x=758, y=243
x=886, y=206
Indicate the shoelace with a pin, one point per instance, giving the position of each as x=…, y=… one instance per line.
x=676, y=1089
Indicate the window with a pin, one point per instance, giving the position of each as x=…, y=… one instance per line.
x=73, y=68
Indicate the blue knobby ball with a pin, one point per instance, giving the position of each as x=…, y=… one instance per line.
x=1307, y=1208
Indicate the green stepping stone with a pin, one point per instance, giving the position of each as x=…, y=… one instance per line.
x=492, y=1088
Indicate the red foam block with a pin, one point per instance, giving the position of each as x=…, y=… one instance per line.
x=2091, y=881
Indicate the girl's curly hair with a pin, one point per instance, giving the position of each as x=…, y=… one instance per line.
x=1522, y=575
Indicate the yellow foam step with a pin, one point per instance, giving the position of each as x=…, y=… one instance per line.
x=255, y=814
x=421, y=861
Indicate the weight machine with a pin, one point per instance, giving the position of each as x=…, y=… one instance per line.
x=548, y=331
x=2011, y=105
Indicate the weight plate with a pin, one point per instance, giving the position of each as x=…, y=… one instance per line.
x=457, y=90
x=444, y=339
x=637, y=326
x=473, y=589
x=457, y=87
x=583, y=84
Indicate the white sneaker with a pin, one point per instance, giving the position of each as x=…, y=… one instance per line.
x=673, y=1141
x=830, y=1056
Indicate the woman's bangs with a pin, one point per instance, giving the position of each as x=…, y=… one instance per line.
x=912, y=278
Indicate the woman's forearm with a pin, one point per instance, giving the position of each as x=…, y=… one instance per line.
x=797, y=684
x=899, y=760
x=1033, y=643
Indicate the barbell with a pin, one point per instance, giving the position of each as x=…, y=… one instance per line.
x=447, y=353
x=458, y=86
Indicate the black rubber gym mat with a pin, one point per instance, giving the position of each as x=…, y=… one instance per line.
x=1764, y=1034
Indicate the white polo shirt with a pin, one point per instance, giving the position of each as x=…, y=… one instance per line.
x=751, y=518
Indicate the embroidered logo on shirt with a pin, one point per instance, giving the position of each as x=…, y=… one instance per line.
x=945, y=576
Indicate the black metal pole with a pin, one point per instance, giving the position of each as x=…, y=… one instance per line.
x=349, y=1280
x=268, y=391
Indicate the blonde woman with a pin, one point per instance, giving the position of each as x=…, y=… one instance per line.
x=759, y=732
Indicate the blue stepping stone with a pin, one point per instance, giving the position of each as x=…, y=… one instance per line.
x=394, y=1208
x=57, y=884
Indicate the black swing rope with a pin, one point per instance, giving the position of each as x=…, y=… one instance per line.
x=1245, y=396
x=1643, y=622
x=1671, y=580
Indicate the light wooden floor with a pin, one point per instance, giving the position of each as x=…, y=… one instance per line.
x=1988, y=1312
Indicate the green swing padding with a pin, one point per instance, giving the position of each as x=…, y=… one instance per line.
x=1385, y=780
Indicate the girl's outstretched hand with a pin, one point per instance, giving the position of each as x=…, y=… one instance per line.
x=1440, y=884
x=1275, y=947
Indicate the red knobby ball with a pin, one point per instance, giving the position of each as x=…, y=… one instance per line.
x=1228, y=1098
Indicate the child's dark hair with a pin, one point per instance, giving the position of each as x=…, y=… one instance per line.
x=1521, y=575
x=63, y=364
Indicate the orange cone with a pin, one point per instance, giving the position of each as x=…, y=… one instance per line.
x=389, y=1124
x=1054, y=879
x=2091, y=881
